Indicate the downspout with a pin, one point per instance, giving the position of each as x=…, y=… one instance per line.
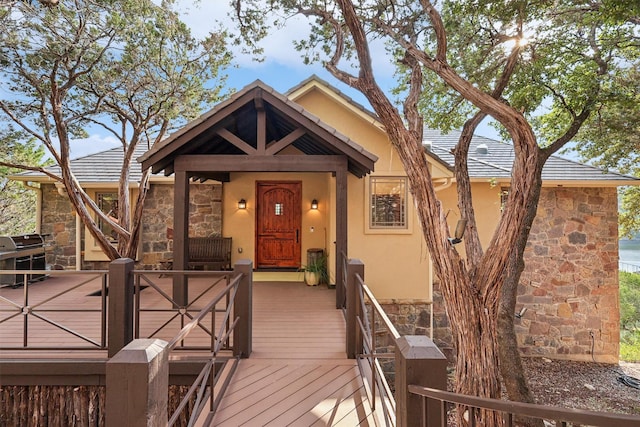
x=78, y=243
x=38, y=191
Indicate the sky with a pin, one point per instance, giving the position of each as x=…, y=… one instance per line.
x=281, y=69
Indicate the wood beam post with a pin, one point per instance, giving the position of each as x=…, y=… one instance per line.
x=137, y=384
x=180, y=236
x=120, y=310
x=354, y=335
x=341, y=230
x=243, y=308
x=261, y=130
x=418, y=362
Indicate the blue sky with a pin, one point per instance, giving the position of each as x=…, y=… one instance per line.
x=281, y=69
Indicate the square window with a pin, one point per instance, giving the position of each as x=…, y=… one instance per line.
x=388, y=202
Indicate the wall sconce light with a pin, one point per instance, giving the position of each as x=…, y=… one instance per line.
x=242, y=204
x=459, y=233
x=314, y=204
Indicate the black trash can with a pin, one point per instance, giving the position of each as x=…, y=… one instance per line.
x=314, y=255
x=315, y=269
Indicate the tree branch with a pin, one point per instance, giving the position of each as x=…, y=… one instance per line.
x=32, y=168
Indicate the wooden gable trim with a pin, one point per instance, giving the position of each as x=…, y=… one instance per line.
x=261, y=125
x=313, y=125
x=196, y=163
x=277, y=146
x=165, y=156
x=238, y=142
x=162, y=158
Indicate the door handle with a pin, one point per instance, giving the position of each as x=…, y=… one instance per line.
x=297, y=236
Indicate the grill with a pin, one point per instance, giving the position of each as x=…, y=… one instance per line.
x=25, y=252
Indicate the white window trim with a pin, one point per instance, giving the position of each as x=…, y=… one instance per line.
x=409, y=213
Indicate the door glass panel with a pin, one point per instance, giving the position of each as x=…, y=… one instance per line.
x=279, y=209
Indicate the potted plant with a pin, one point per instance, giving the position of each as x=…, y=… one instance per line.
x=316, y=271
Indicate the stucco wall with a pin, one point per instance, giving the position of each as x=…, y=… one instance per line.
x=241, y=223
x=384, y=252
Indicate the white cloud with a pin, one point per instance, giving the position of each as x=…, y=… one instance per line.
x=278, y=45
x=92, y=144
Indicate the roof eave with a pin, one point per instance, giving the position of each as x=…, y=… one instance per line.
x=564, y=182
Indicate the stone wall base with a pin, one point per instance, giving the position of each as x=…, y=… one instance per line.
x=205, y=219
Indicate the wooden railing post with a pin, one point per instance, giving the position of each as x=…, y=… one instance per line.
x=242, y=334
x=120, y=310
x=354, y=336
x=137, y=385
x=418, y=362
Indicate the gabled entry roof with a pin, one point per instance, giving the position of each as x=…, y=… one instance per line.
x=256, y=120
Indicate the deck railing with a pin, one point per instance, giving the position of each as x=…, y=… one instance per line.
x=511, y=410
x=204, y=386
x=19, y=310
x=172, y=312
x=628, y=267
x=79, y=311
x=421, y=374
x=372, y=338
x=369, y=316
x=152, y=373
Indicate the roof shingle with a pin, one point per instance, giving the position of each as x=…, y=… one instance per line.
x=498, y=161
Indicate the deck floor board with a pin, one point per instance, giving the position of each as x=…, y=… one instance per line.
x=299, y=359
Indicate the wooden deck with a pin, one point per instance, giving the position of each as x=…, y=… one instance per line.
x=298, y=373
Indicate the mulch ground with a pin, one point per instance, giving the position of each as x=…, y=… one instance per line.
x=584, y=385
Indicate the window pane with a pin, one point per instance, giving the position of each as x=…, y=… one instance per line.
x=388, y=202
x=108, y=203
x=279, y=209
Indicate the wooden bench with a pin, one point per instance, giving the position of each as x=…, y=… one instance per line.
x=212, y=252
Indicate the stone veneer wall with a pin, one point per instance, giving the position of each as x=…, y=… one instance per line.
x=412, y=317
x=205, y=219
x=59, y=222
x=569, y=286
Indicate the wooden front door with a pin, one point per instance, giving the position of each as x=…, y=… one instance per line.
x=278, y=225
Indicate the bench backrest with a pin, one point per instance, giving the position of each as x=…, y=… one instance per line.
x=209, y=248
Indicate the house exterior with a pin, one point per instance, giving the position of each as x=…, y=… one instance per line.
x=242, y=165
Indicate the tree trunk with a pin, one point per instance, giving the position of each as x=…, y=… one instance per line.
x=471, y=293
x=511, y=367
x=474, y=330
x=472, y=305
x=136, y=222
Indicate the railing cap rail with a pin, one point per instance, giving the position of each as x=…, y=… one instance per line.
x=603, y=419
